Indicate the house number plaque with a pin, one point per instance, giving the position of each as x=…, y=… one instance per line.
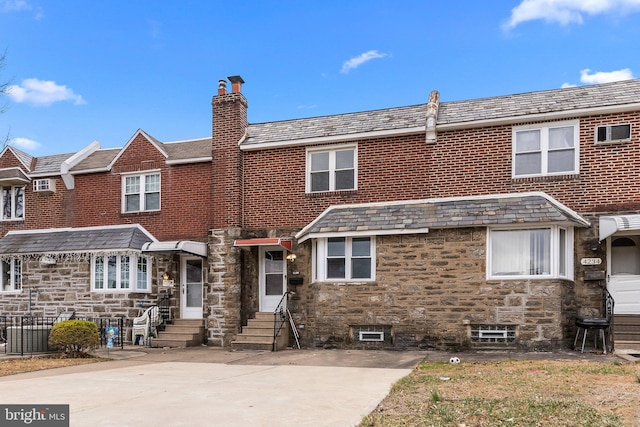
x=591, y=261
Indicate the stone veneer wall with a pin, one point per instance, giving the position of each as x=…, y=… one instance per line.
x=223, y=288
x=66, y=286
x=430, y=289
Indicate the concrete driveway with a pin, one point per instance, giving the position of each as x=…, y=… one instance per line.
x=213, y=387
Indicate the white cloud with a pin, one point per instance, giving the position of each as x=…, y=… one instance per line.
x=566, y=85
x=605, y=76
x=357, y=61
x=42, y=92
x=566, y=12
x=25, y=144
x=7, y=6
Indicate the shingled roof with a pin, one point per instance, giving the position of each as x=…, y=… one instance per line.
x=418, y=216
x=75, y=240
x=575, y=101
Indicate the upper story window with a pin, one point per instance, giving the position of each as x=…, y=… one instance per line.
x=331, y=169
x=12, y=203
x=11, y=274
x=141, y=192
x=613, y=133
x=344, y=259
x=120, y=273
x=543, y=252
x=542, y=150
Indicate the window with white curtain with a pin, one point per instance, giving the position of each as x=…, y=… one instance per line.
x=537, y=252
x=120, y=273
x=551, y=149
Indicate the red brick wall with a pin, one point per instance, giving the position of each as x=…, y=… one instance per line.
x=461, y=163
x=185, y=210
x=42, y=210
x=229, y=125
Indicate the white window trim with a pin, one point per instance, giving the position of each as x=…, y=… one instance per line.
x=13, y=203
x=555, y=256
x=12, y=277
x=133, y=274
x=544, y=147
x=331, y=149
x=142, y=176
x=319, y=260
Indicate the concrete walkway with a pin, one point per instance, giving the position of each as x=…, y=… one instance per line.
x=206, y=386
x=213, y=387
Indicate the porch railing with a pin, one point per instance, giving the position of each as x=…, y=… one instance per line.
x=280, y=317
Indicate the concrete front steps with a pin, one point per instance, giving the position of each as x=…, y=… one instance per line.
x=258, y=334
x=181, y=333
x=626, y=332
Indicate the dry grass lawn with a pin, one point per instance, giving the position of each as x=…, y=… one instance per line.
x=38, y=363
x=514, y=393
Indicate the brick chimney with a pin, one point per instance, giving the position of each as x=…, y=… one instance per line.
x=229, y=127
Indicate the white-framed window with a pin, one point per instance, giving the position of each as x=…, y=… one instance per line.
x=613, y=133
x=550, y=149
x=43, y=185
x=12, y=203
x=332, y=169
x=11, y=274
x=120, y=273
x=344, y=259
x=539, y=252
x=141, y=192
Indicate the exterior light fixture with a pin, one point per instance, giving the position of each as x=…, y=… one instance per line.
x=291, y=257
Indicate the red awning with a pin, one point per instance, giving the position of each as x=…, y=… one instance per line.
x=285, y=243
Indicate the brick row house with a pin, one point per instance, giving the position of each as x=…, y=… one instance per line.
x=482, y=222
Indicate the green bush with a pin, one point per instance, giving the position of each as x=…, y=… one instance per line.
x=74, y=337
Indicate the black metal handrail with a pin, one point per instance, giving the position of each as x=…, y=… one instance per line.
x=285, y=315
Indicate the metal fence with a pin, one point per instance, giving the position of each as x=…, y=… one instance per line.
x=27, y=335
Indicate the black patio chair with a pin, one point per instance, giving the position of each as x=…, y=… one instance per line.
x=599, y=325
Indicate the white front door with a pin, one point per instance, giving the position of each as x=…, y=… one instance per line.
x=273, y=277
x=191, y=288
x=624, y=273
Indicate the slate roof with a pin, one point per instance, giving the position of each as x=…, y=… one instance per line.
x=72, y=240
x=50, y=165
x=420, y=215
x=457, y=112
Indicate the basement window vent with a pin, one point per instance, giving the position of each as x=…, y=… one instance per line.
x=371, y=336
x=44, y=185
x=613, y=133
x=491, y=334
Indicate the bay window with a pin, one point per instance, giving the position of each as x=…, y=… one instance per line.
x=115, y=273
x=542, y=252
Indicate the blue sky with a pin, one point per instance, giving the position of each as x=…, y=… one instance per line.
x=99, y=70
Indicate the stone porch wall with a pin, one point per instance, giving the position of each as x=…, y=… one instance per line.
x=430, y=289
x=66, y=286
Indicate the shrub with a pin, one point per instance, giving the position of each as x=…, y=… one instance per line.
x=74, y=337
